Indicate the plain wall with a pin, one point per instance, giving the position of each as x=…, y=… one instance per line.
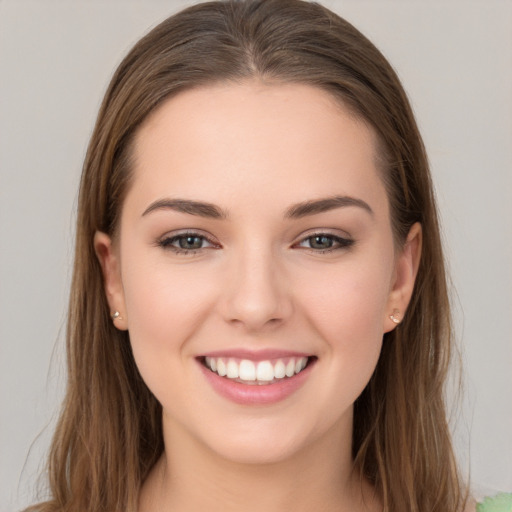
x=56, y=57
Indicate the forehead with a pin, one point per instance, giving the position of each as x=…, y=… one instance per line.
x=280, y=141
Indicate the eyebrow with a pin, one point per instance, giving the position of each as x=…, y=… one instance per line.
x=198, y=208
x=323, y=205
x=297, y=211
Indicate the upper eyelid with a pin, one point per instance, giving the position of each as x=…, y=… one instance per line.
x=336, y=238
x=335, y=233
x=188, y=232
x=342, y=241
x=167, y=242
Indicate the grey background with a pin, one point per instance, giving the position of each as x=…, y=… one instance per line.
x=455, y=60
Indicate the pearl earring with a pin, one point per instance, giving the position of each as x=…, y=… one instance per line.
x=395, y=317
x=116, y=316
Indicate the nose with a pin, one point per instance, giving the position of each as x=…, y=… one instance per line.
x=256, y=296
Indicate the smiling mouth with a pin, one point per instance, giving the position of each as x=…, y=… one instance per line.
x=258, y=373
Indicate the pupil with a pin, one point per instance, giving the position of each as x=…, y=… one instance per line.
x=190, y=242
x=321, y=242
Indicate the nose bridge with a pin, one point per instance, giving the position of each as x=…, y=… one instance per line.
x=257, y=293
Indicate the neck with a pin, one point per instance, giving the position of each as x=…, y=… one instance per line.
x=190, y=477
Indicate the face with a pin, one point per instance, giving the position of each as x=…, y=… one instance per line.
x=255, y=268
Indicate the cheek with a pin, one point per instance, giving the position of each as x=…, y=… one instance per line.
x=349, y=299
x=164, y=306
x=346, y=308
x=158, y=294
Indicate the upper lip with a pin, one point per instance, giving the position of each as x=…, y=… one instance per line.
x=255, y=355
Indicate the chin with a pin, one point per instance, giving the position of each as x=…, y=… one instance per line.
x=257, y=442
x=258, y=452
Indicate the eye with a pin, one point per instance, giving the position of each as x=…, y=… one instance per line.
x=325, y=242
x=186, y=243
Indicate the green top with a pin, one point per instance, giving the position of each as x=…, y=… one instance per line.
x=500, y=503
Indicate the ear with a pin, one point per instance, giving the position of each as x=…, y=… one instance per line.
x=110, y=265
x=406, y=268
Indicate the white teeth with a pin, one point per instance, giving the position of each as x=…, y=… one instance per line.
x=261, y=372
x=300, y=364
x=247, y=370
x=265, y=371
x=232, y=370
x=290, y=368
x=279, y=370
x=221, y=368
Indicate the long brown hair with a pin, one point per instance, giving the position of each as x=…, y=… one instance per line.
x=109, y=435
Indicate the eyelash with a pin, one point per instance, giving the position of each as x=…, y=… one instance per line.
x=339, y=243
x=166, y=243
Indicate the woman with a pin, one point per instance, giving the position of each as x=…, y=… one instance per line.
x=259, y=314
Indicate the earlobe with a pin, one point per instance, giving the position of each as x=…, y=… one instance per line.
x=110, y=266
x=406, y=270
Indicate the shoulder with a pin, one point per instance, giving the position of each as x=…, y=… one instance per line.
x=501, y=502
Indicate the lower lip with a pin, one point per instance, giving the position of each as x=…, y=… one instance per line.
x=256, y=394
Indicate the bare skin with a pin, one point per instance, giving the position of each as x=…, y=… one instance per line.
x=267, y=271
x=304, y=483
